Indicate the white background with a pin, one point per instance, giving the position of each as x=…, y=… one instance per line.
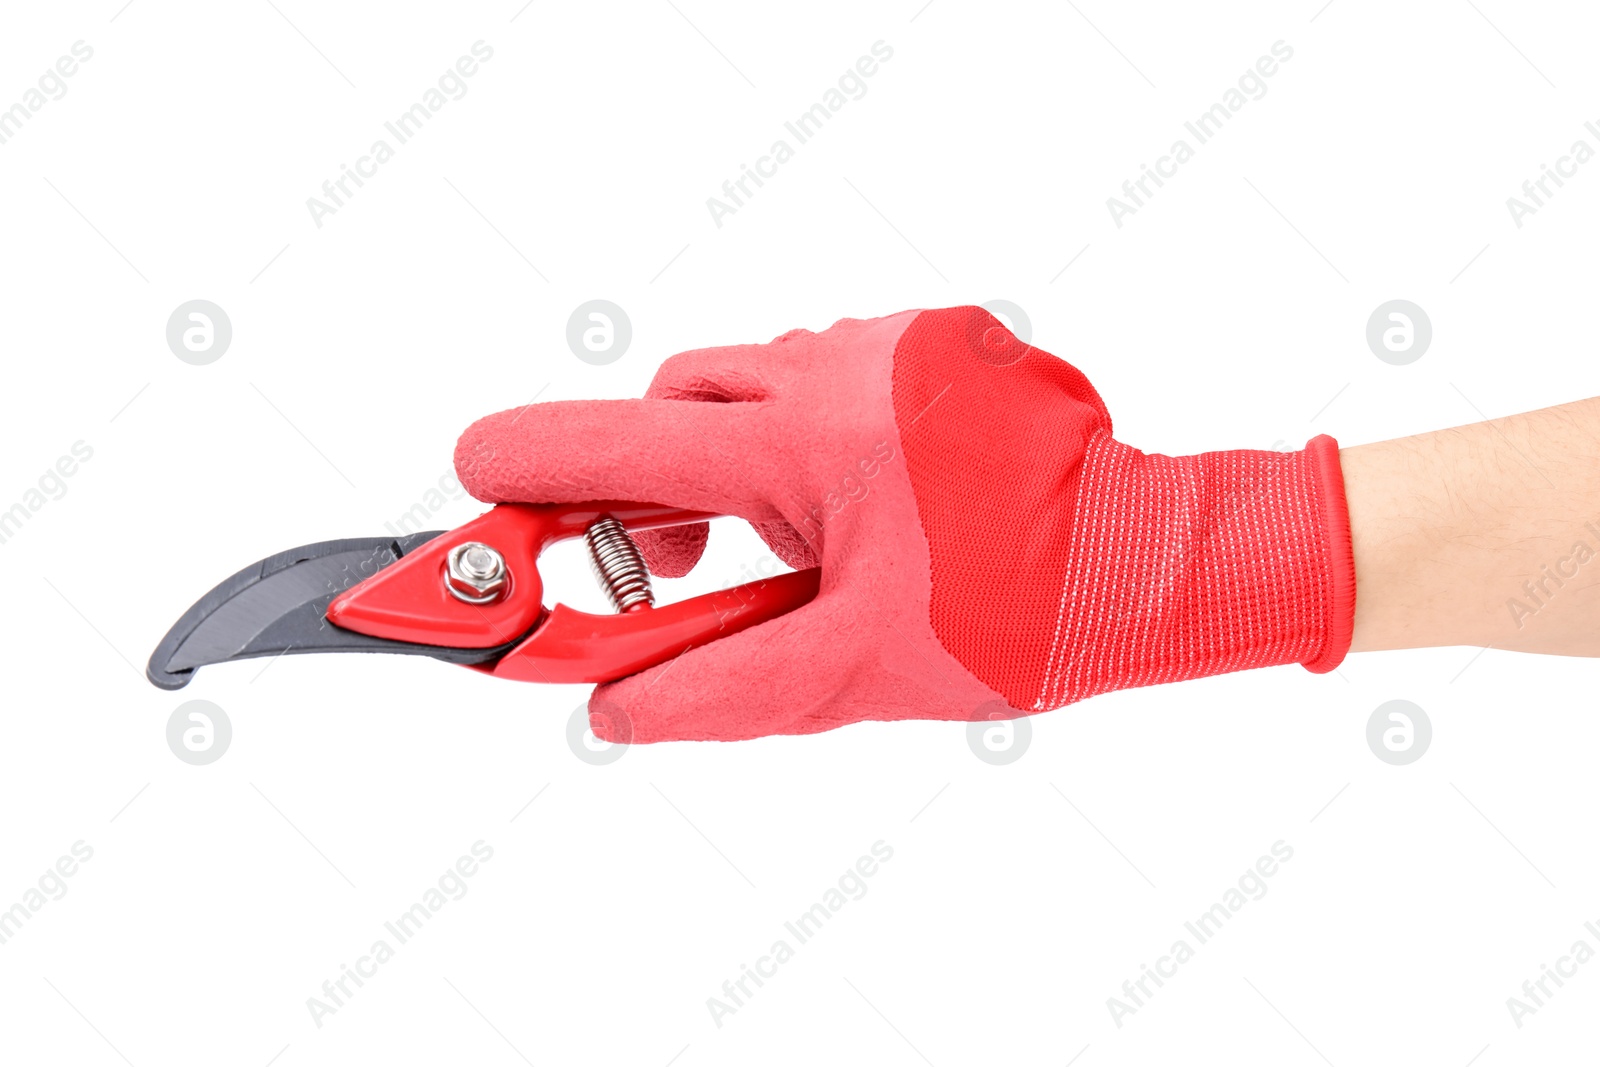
x=1229, y=312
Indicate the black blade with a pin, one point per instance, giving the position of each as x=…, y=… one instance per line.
x=276, y=607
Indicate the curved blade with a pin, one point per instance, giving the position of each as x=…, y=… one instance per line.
x=277, y=607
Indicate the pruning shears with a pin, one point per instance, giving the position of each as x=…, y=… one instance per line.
x=470, y=596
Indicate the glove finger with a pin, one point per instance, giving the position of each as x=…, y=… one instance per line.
x=713, y=375
x=730, y=374
x=829, y=663
x=710, y=376
x=677, y=453
x=788, y=544
x=672, y=552
x=776, y=678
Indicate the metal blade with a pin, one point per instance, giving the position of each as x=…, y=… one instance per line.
x=276, y=607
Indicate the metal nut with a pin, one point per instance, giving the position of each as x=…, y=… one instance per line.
x=476, y=573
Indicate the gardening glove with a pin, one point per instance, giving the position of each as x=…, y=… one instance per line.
x=988, y=549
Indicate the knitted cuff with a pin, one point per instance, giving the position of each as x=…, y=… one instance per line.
x=1196, y=565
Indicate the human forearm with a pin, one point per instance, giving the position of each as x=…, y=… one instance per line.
x=1486, y=534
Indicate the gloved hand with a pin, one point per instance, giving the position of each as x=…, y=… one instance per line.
x=987, y=548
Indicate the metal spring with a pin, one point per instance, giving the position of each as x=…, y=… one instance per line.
x=617, y=565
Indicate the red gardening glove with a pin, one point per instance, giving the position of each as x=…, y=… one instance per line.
x=987, y=548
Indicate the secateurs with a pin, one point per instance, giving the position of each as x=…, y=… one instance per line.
x=470, y=596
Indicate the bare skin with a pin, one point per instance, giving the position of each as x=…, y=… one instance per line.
x=1485, y=535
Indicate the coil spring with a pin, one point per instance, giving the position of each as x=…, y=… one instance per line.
x=617, y=565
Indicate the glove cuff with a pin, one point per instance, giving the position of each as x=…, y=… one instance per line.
x=1322, y=453
x=1189, y=566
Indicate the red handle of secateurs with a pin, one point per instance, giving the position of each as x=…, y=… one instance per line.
x=575, y=646
x=408, y=600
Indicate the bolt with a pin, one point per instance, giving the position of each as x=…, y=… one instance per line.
x=475, y=573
